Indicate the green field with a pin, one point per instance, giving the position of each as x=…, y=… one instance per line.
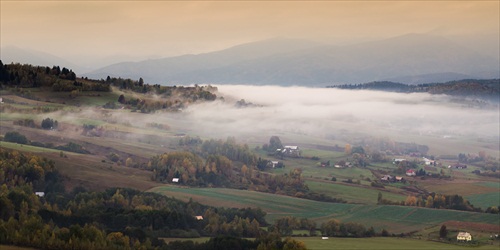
x=462, y=188
x=396, y=219
x=485, y=200
x=7, y=247
x=32, y=149
x=353, y=194
x=311, y=169
x=379, y=243
x=375, y=243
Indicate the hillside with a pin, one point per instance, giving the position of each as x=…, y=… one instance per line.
x=411, y=58
x=60, y=81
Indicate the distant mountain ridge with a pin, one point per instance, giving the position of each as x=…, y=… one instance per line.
x=484, y=89
x=412, y=59
x=13, y=54
x=177, y=68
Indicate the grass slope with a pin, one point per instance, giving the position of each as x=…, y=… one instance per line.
x=396, y=219
x=353, y=194
x=316, y=243
x=376, y=243
x=485, y=200
x=89, y=170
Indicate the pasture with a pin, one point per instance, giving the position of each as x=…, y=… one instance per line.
x=353, y=193
x=480, y=193
x=485, y=200
x=374, y=243
x=91, y=171
x=396, y=219
x=382, y=243
x=7, y=247
x=28, y=148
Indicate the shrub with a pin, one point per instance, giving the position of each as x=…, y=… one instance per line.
x=48, y=123
x=15, y=137
x=114, y=157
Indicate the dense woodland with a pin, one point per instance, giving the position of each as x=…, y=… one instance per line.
x=28, y=76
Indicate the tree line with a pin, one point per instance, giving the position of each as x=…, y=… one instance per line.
x=59, y=80
x=437, y=201
x=489, y=88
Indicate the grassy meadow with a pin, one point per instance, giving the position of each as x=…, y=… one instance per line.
x=376, y=243
x=396, y=219
x=380, y=243
x=353, y=193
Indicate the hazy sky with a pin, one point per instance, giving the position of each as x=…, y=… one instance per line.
x=79, y=29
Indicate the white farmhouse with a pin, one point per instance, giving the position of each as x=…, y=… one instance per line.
x=464, y=236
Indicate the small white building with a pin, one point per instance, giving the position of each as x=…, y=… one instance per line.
x=464, y=236
x=293, y=151
x=176, y=180
x=428, y=161
x=386, y=178
x=396, y=161
x=40, y=194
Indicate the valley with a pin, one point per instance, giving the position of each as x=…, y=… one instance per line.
x=221, y=156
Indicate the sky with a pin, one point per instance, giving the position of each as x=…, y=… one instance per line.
x=94, y=30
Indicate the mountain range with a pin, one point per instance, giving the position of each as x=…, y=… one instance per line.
x=409, y=59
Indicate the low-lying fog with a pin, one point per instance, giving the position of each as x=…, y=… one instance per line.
x=327, y=112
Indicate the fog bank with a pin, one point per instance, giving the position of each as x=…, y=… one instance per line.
x=325, y=112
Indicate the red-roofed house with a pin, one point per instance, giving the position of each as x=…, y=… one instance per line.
x=410, y=172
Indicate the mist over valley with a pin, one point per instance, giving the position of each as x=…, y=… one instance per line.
x=331, y=113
